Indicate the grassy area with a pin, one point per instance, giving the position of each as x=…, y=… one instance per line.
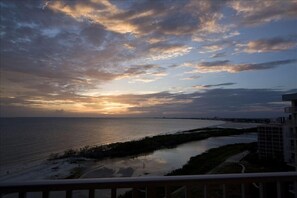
x=75, y=173
x=228, y=168
x=207, y=161
x=148, y=144
x=253, y=165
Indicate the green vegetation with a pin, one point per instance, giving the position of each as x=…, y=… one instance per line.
x=207, y=161
x=75, y=173
x=149, y=144
x=254, y=165
x=228, y=169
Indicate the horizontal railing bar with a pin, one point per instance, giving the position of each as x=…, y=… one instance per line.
x=131, y=182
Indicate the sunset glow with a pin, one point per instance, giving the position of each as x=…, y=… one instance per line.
x=146, y=59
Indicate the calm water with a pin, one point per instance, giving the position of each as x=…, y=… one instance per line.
x=163, y=161
x=25, y=141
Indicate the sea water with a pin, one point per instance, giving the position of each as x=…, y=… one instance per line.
x=28, y=141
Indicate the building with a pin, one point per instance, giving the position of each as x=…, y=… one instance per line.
x=290, y=131
x=278, y=140
x=270, y=142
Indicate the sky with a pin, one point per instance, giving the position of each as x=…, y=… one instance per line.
x=182, y=58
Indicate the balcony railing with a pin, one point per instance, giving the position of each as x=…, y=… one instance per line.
x=290, y=109
x=284, y=183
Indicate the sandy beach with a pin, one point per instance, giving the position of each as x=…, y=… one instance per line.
x=158, y=162
x=55, y=169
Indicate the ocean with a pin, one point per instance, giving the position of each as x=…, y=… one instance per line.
x=25, y=142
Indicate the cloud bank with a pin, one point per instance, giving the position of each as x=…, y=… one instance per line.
x=268, y=45
x=212, y=102
x=227, y=66
x=55, y=55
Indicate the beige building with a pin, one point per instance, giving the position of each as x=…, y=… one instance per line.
x=278, y=140
x=290, y=131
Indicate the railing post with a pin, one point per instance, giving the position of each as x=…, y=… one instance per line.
x=22, y=194
x=295, y=188
x=113, y=193
x=45, y=194
x=224, y=190
x=279, y=190
x=205, y=191
x=262, y=192
x=167, y=191
x=150, y=192
x=242, y=190
x=135, y=193
x=91, y=193
x=69, y=194
x=188, y=191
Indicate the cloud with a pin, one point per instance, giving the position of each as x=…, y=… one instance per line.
x=218, y=55
x=227, y=66
x=160, y=51
x=233, y=102
x=201, y=87
x=217, y=46
x=143, y=73
x=258, y=12
x=210, y=102
x=53, y=52
x=148, y=19
x=211, y=48
x=267, y=45
x=100, y=12
x=193, y=77
x=64, y=56
x=221, y=84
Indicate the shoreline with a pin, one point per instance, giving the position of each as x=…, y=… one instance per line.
x=148, y=144
x=33, y=147
x=73, y=167
x=21, y=166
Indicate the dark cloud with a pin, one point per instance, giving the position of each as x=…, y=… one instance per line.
x=265, y=11
x=227, y=66
x=268, y=45
x=216, y=63
x=218, y=85
x=212, y=85
x=180, y=23
x=218, y=55
x=212, y=102
x=193, y=77
x=95, y=34
x=220, y=102
x=47, y=51
x=146, y=17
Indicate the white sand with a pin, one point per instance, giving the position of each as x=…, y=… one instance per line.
x=55, y=169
